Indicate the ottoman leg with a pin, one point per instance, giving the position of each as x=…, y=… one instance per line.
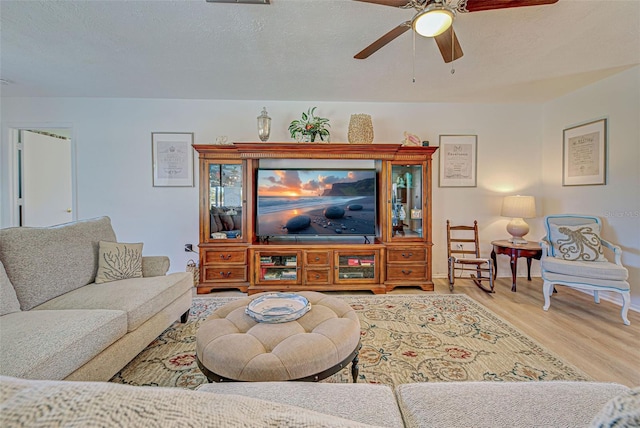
x=354, y=366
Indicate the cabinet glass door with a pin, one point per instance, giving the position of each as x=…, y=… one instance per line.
x=407, y=201
x=225, y=201
x=278, y=267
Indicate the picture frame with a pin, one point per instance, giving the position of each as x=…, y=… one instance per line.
x=458, y=161
x=172, y=158
x=584, y=154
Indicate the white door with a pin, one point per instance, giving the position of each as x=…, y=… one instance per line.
x=47, y=194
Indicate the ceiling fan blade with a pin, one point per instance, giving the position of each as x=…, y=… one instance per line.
x=382, y=41
x=394, y=3
x=444, y=44
x=480, y=5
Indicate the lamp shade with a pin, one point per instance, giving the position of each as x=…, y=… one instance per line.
x=519, y=206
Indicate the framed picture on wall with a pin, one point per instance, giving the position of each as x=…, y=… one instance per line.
x=458, y=155
x=584, y=154
x=172, y=154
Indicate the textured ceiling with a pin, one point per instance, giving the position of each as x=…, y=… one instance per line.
x=303, y=50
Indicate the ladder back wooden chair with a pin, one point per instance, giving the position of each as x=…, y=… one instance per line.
x=463, y=254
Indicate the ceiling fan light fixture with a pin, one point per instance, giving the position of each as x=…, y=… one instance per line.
x=434, y=20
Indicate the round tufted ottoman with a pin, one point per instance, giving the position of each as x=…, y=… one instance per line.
x=231, y=346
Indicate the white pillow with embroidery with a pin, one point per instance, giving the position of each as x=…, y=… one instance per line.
x=577, y=242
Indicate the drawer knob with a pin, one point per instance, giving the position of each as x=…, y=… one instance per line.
x=317, y=276
x=317, y=258
x=225, y=275
x=406, y=272
x=407, y=255
x=225, y=256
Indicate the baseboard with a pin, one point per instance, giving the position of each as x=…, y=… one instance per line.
x=611, y=297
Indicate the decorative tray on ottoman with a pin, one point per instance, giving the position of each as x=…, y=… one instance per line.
x=278, y=307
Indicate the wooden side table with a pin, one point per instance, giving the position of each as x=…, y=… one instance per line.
x=530, y=250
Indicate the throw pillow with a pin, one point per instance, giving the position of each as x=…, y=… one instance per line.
x=577, y=242
x=118, y=261
x=621, y=411
x=8, y=300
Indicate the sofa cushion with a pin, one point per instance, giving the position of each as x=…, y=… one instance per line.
x=103, y=404
x=45, y=262
x=366, y=403
x=53, y=344
x=8, y=299
x=140, y=298
x=598, y=270
x=511, y=404
x=621, y=411
x=577, y=242
x=118, y=260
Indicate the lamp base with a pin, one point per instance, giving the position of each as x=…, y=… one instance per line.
x=517, y=228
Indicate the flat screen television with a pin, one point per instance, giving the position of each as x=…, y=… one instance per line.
x=316, y=202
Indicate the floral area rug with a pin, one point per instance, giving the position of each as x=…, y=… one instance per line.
x=411, y=338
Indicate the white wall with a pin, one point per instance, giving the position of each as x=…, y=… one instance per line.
x=113, y=140
x=617, y=99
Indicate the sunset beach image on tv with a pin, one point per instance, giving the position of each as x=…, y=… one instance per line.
x=316, y=202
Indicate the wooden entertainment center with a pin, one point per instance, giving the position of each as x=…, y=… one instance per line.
x=232, y=255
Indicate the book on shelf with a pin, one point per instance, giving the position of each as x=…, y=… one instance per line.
x=270, y=276
x=353, y=262
x=289, y=274
x=367, y=262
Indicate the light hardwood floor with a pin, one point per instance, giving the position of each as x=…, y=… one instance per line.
x=590, y=336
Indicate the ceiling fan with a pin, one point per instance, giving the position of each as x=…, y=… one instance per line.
x=434, y=18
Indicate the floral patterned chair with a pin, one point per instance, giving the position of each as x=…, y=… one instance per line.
x=572, y=255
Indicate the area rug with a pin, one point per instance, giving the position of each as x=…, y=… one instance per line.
x=410, y=338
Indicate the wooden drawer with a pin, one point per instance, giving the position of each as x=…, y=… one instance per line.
x=317, y=257
x=397, y=255
x=317, y=276
x=413, y=272
x=212, y=257
x=224, y=273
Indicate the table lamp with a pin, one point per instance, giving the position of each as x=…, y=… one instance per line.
x=518, y=208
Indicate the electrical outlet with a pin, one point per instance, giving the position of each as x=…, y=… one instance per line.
x=188, y=248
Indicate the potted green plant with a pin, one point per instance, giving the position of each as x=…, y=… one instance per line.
x=310, y=127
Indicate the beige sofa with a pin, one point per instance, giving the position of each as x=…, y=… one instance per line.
x=295, y=404
x=56, y=323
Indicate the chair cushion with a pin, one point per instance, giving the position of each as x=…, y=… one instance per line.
x=599, y=270
x=45, y=262
x=53, y=344
x=577, y=242
x=8, y=300
x=576, y=281
x=469, y=260
x=140, y=298
x=118, y=261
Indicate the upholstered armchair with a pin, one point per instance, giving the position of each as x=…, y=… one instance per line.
x=572, y=255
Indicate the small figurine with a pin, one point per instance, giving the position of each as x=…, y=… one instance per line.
x=400, y=182
x=411, y=140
